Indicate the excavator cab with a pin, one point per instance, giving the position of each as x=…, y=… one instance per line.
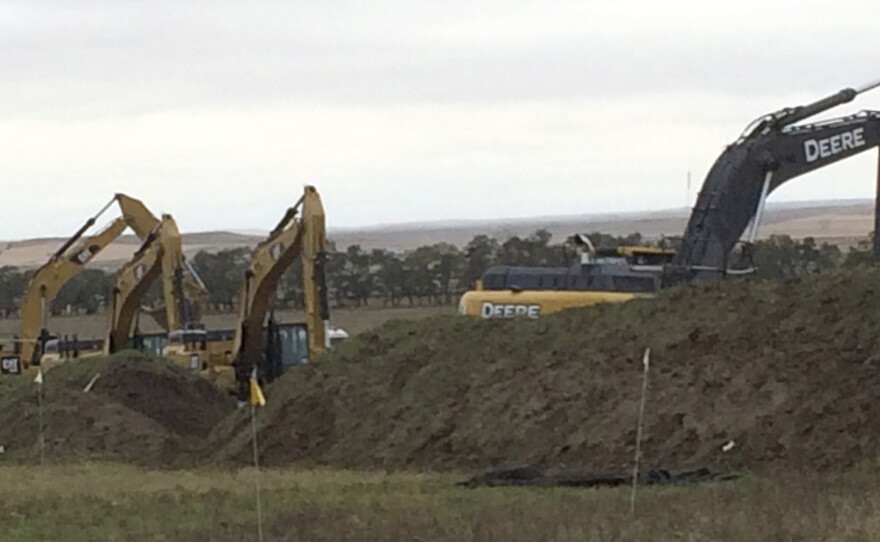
x=293, y=341
x=150, y=343
x=287, y=345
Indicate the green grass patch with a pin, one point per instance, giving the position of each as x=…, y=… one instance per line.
x=94, y=502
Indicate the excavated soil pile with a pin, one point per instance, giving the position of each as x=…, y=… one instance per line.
x=786, y=375
x=8, y=385
x=140, y=410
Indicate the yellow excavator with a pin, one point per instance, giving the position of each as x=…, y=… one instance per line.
x=161, y=254
x=229, y=356
x=269, y=347
x=34, y=343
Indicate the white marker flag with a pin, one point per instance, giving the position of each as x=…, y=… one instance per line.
x=39, y=378
x=91, y=383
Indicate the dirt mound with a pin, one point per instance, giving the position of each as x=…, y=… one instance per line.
x=139, y=409
x=788, y=372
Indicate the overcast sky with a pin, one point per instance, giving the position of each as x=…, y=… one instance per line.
x=405, y=111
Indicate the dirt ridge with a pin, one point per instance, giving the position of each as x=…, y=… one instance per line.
x=784, y=374
x=139, y=410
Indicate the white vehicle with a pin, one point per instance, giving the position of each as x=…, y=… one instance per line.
x=335, y=336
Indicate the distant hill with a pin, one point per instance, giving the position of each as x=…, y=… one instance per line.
x=33, y=252
x=841, y=222
x=838, y=222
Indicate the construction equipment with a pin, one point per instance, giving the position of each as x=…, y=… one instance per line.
x=161, y=253
x=228, y=357
x=599, y=276
x=61, y=267
x=773, y=149
x=260, y=345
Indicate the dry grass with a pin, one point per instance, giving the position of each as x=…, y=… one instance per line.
x=111, y=502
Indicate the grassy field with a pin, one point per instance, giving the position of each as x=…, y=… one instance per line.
x=353, y=320
x=112, y=502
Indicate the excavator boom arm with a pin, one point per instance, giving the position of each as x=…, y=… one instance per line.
x=293, y=237
x=132, y=282
x=314, y=286
x=49, y=279
x=174, y=273
x=735, y=185
x=69, y=259
x=136, y=215
x=161, y=254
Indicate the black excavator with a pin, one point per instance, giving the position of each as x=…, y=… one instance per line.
x=774, y=149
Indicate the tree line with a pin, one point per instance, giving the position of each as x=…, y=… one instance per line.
x=430, y=274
